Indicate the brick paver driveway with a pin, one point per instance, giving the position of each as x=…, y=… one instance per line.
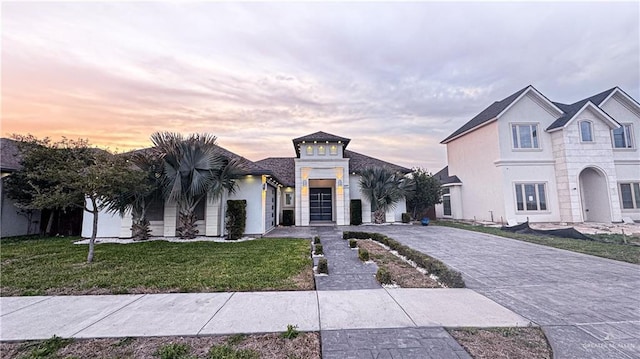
x=589, y=307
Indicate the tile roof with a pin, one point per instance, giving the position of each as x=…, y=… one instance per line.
x=571, y=110
x=486, y=115
x=9, y=155
x=283, y=168
x=443, y=177
x=358, y=162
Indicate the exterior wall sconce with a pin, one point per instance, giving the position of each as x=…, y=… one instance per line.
x=339, y=183
x=304, y=183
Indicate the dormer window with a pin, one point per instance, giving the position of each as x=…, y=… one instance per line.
x=309, y=150
x=586, y=131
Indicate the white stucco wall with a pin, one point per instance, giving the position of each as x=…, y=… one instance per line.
x=250, y=189
x=108, y=224
x=471, y=158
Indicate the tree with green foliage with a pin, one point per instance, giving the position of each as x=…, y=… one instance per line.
x=69, y=173
x=147, y=167
x=384, y=188
x=427, y=193
x=193, y=167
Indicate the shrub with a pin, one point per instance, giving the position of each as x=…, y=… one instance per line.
x=292, y=332
x=355, y=207
x=318, y=250
x=363, y=254
x=406, y=218
x=316, y=240
x=288, y=217
x=323, y=266
x=236, y=218
x=227, y=352
x=353, y=243
x=172, y=351
x=447, y=276
x=383, y=276
x=49, y=347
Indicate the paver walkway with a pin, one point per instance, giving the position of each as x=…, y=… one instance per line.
x=346, y=270
x=589, y=307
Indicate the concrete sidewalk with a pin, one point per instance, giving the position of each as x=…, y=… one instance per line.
x=190, y=314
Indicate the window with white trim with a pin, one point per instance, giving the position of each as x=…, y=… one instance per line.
x=333, y=150
x=446, y=202
x=322, y=150
x=531, y=197
x=525, y=136
x=309, y=151
x=586, y=131
x=630, y=195
x=623, y=136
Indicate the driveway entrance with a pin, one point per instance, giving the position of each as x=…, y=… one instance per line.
x=589, y=307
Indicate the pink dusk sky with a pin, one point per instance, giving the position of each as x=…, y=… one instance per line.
x=396, y=78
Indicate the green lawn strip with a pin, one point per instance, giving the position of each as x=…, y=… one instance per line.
x=607, y=246
x=35, y=267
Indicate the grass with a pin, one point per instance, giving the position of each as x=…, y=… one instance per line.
x=57, y=266
x=610, y=246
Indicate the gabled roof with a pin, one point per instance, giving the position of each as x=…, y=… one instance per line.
x=443, y=177
x=488, y=114
x=283, y=168
x=571, y=110
x=319, y=137
x=9, y=155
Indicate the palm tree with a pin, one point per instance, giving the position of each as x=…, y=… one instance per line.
x=193, y=167
x=383, y=188
x=147, y=168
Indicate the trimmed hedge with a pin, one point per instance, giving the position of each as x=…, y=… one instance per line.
x=406, y=218
x=236, y=218
x=319, y=250
x=363, y=254
x=355, y=208
x=447, y=276
x=323, y=266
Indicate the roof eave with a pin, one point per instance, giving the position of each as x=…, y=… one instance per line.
x=449, y=139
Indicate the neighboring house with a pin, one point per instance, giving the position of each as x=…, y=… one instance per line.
x=13, y=221
x=317, y=185
x=528, y=158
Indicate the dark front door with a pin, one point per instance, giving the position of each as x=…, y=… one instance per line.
x=320, y=204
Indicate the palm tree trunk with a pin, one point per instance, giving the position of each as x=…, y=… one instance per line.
x=379, y=216
x=94, y=231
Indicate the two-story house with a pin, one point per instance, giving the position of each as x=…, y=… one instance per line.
x=528, y=158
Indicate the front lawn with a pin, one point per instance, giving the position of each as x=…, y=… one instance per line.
x=606, y=246
x=57, y=266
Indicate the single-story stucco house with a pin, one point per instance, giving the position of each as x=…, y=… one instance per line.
x=314, y=187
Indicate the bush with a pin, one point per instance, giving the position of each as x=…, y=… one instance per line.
x=227, y=352
x=406, y=218
x=323, y=266
x=355, y=208
x=288, y=218
x=353, y=243
x=383, y=276
x=236, y=218
x=318, y=250
x=316, y=240
x=363, y=254
x=172, y=351
x=448, y=277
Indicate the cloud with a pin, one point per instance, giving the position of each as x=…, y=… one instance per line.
x=396, y=78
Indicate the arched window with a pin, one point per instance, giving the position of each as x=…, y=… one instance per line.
x=586, y=131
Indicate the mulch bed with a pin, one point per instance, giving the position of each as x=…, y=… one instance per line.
x=503, y=343
x=268, y=346
x=402, y=273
